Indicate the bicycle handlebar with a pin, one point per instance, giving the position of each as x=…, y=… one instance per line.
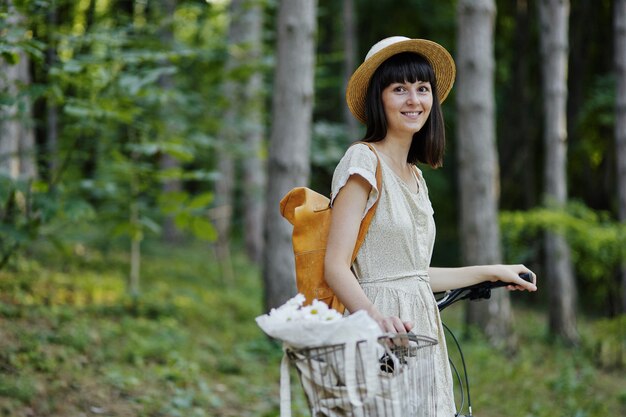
x=478, y=291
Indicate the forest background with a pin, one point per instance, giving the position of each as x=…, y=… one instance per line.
x=144, y=146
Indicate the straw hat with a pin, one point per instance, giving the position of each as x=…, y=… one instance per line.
x=435, y=54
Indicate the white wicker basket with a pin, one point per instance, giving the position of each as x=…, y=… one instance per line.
x=403, y=383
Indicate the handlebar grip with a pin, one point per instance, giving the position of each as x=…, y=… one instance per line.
x=526, y=276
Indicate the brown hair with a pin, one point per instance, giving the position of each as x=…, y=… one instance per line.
x=428, y=144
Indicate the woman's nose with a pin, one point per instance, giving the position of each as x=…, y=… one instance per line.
x=413, y=97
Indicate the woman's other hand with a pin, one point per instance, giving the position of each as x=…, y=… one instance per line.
x=391, y=324
x=511, y=274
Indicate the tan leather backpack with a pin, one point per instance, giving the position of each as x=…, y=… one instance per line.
x=309, y=212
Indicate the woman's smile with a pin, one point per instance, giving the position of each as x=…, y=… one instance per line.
x=412, y=114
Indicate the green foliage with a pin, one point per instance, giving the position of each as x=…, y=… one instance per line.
x=129, y=96
x=15, y=40
x=26, y=213
x=19, y=223
x=189, y=213
x=592, y=154
x=597, y=118
x=598, y=243
x=328, y=144
x=21, y=389
x=607, y=343
x=539, y=378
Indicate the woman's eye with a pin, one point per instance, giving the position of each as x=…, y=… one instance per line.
x=424, y=89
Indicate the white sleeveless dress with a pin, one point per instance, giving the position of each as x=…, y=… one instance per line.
x=392, y=264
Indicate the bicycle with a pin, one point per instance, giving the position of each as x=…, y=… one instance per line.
x=480, y=291
x=335, y=384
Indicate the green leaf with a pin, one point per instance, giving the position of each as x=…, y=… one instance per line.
x=122, y=229
x=182, y=220
x=40, y=186
x=172, y=202
x=200, y=201
x=72, y=67
x=203, y=229
x=11, y=57
x=150, y=224
x=181, y=152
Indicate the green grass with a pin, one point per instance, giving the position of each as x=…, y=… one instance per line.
x=542, y=378
x=73, y=344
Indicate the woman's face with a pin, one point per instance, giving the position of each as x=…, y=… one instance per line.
x=407, y=106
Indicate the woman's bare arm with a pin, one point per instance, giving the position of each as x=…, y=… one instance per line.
x=347, y=210
x=443, y=279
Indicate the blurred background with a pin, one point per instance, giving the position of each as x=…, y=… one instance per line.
x=145, y=145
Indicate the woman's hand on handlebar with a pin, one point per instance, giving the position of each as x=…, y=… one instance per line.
x=512, y=274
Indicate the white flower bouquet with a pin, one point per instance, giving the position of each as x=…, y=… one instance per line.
x=316, y=324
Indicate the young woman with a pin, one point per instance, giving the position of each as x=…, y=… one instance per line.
x=397, y=92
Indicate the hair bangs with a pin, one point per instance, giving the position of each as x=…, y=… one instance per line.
x=406, y=67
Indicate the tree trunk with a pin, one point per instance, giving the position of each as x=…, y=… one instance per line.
x=230, y=140
x=554, y=17
x=9, y=151
x=171, y=234
x=620, y=119
x=17, y=134
x=224, y=199
x=290, y=138
x=26, y=138
x=254, y=174
x=350, y=51
x=478, y=160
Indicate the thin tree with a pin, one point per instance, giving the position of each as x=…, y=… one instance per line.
x=288, y=163
x=229, y=141
x=478, y=159
x=17, y=134
x=559, y=275
x=126, y=16
x=254, y=170
x=171, y=233
x=242, y=133
x=619, y=17
x=349, y=53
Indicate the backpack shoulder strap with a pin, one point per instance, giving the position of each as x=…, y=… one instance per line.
x=365, y=223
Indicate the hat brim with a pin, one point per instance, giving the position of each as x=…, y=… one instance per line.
x=438, y=57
